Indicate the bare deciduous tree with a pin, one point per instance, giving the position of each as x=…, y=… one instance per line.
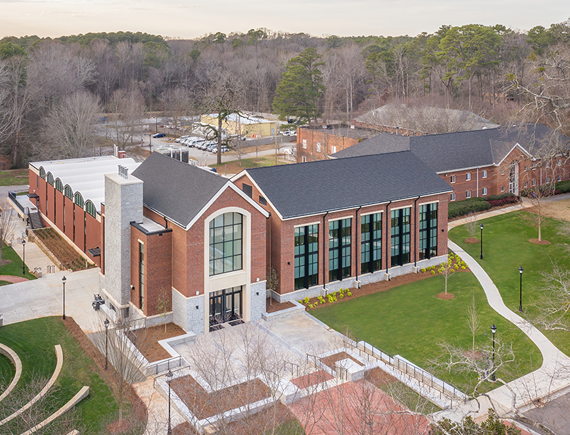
x=7, y=224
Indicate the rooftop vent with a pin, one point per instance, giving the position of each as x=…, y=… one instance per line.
x=123, y=171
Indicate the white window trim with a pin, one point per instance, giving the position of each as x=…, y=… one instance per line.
x=341, y=218
x=467, y=194
x=452, y=179
x=484, y=191
x=452, y=196
x=484, y=174
x=304, y=225
x=368, y=213
x=468, y=176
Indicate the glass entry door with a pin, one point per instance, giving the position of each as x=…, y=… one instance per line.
x=225, y=306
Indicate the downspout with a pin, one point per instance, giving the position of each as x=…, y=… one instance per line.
x=387, y=220
x=477, y=182
x=416, y=230
x=324, y=259
x=356, y=248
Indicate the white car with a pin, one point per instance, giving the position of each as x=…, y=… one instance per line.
x=181, y=138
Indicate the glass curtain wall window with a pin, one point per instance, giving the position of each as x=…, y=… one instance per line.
x=141, y=275
x=306, y=256
x=371, y=243
x=226, y=242
x=339, y=249
x=428, y=230
x=400, y=236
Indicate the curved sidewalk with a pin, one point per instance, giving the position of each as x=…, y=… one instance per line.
x=552, y=375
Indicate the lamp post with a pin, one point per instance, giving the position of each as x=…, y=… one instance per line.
x=493, y=330
x=169, y=380
x=481, y=241
x=106, y=322
x=520, y=289
x=63, y=282
x=24, y=257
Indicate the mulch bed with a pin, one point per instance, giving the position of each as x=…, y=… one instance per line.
x=379, y=377
x=539, y=242
x=376, y=287
x=473, y=354
x=146, y=340
x=471, y=240
x=445, y=296
x=273, y=306
x=119, y=426
x=66, y=254
x=204, y=404
x=110, y=376
x=13, y=279
x=311, y=379
x=4, y=262
x=332, y=359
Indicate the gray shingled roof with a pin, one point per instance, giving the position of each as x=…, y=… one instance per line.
x=317, y=187
x=466, y=149
x=175, y=189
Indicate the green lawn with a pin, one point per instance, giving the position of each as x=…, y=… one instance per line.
x=410, y=321
x=506, y=246
x=34, y=343
x=14, y=177
x=15, y=267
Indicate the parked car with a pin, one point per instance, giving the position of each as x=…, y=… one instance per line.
x=181, y=139
x=157, y=135
x=224, y=149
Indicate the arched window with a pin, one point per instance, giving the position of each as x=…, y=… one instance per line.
x=68, y=192
x=43, y=173
x=90, y=208
x=59, y=185
x=79, y=199
x=50, y=178
x=225, y=240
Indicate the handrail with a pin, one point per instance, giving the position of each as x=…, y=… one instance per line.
x=12, y=196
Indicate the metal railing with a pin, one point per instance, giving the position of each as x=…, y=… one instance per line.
x=12, y=196
x=368, y=351
x=294, y=368
x=164, y=365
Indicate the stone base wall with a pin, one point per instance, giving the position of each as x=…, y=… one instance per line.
x=368, y=278
x=258, y=300
x=186, y=315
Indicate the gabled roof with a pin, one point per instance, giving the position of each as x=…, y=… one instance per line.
x=466, y=149
x=179, y=191
x=304, y=189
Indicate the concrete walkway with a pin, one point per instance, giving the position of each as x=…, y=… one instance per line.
x=44, y=297
x=553, y=375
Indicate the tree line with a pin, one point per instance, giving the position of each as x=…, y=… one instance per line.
x=50, y=89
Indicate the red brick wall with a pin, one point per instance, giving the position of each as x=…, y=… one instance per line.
x=49, y=201
x=69, y=218
x=59, y=209
x=327, y=140
x=79, y=227
x=93, y=237
x=157, y=269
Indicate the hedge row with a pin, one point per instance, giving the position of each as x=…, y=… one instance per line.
x=472, y=205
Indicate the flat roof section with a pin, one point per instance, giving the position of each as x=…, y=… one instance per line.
x=86, y=175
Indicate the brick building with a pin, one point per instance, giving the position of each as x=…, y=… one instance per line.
x=482, y=162
x=318, y=143
x=169, y=236
x=347, y=222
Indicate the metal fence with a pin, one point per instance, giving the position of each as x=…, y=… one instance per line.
x=370, y=352
x=164, y=365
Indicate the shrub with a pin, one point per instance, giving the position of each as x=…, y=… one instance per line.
x=341, y=295
x=348, y=293
x=423, y=270
x=307, y=300
x=433, y=272
x=472, y=205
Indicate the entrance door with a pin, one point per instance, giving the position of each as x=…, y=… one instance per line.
x=225, y=306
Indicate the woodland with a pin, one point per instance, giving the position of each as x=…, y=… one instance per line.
x=53, y=91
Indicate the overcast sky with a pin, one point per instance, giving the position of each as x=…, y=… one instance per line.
x=192, y=18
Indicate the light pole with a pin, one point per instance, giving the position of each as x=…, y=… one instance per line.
x=63, y=282
x=493, y=330
x=481, y=241
x=169, y=380
x=520, y=289
x=106, y=322
x=24, y=257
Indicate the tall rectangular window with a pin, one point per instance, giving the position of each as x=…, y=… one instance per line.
x=484, y=174
x=400, y=236
x=428, y=230
x=225, y=243
x=306, y=256
x=370, y=243
x=339, y=249
x=141, y=276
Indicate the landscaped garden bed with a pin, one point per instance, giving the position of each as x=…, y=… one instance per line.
x=12, y=264
x=272, y=306
x=146, y=340
x=65, y=254
x=204, y=405
x=330, y=361
x=458, y=209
